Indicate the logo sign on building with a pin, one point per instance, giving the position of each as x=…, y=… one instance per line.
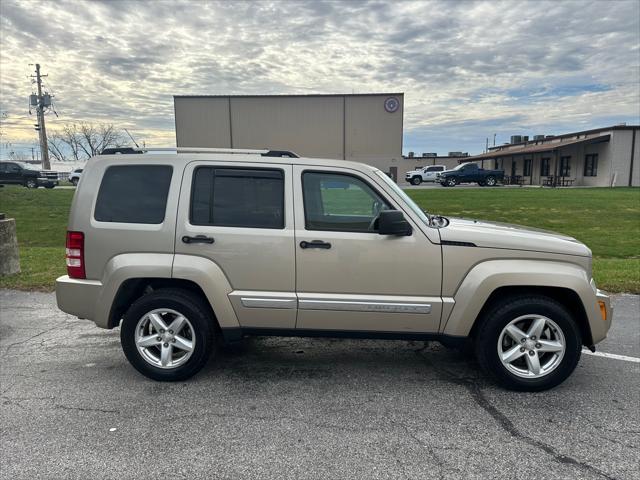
x=391, y=104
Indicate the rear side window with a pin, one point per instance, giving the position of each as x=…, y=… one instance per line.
x=134, y=194
x=238, y=197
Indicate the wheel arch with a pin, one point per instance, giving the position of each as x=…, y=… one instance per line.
x=134, y=288
x=564, y=296
x=490, y=281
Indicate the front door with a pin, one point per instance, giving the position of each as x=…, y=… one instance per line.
x=350, y=278
x=241, y=218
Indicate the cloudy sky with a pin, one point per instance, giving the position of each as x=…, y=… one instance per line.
x=468, y=69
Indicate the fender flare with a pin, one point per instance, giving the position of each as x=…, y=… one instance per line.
x=213, y=282
x=125, y=267
x=486, y=277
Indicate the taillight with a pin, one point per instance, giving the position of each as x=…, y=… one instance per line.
x=75, y=255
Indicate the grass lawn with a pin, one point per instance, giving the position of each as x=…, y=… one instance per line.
x=607, y=220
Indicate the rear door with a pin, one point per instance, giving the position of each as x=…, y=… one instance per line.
x=240, y=216
x=350, y=278
x=432, y=172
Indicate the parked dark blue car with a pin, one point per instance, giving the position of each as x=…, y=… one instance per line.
x=470, y=173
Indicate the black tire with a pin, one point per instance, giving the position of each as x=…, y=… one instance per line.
x=500, y=315
x=416, y=181
x=191, y=307
x=75, y=181
x=481, y=184
x=31, y=183
x=490, y=181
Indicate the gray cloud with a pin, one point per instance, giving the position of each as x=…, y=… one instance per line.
x=466, y=67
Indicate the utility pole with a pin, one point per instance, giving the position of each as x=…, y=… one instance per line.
x=42, y=131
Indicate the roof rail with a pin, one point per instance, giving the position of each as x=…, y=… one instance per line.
x=243, y=151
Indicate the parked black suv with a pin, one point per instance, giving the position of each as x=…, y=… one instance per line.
x=20, y=173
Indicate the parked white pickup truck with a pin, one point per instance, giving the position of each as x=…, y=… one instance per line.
x=424, y=174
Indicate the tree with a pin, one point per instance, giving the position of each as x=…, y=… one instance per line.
x=83, y=140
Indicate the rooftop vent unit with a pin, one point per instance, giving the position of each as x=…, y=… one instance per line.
x=538, y=137
x=516, y=138
x=525, y=138
x=456, y=154
x=429, y=154
x=411, y=154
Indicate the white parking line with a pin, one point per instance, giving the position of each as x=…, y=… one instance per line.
x=612, y=355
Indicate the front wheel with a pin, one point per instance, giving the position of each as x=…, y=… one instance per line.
x=167, y=335
x=75, y=181
x=528, y=343
x=451, y=182
x=416, y=181
x=31, y=183
x=490, y=181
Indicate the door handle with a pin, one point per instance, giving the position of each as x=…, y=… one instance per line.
x=197, y=239
x=315, y=244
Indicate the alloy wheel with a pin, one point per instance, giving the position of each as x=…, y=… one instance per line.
x=531, y=346
x=165, y=338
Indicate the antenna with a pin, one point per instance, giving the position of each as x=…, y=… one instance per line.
x=132, y=139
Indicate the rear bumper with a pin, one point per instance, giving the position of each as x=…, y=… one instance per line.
x=78, y=297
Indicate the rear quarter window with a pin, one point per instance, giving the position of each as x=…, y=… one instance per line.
x=134, y=194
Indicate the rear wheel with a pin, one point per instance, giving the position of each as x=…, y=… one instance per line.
x=528, y=343
x=167, y=335
x=49, y=186
x=416, y=181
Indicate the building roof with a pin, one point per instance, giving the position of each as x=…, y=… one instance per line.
x=573, y=134
x=390, y=94
x=541, y=147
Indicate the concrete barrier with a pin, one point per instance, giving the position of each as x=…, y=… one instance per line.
x=9, y=258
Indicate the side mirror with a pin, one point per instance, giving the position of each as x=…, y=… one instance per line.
x=392, y=222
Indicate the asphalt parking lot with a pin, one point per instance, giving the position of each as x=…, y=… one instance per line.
x=72, y=407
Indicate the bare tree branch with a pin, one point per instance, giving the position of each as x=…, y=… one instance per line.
x=84, y=140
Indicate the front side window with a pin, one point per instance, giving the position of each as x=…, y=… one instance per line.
x=238, y=197
x=340, y=202
x=565, y=166
x=591, y=165
x=134, y=194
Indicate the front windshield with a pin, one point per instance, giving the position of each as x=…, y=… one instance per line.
x=459, y=166
x=410, y=203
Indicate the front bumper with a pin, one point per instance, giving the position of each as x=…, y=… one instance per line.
x=46, y=182
x=602, y=323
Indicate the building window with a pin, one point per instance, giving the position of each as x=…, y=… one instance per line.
x=591, y=165
x=238, y=197
x=565, y=166
x=544, y=167
x=495, y=164
x=527, y=167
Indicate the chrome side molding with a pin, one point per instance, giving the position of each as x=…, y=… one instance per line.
x=362, y=306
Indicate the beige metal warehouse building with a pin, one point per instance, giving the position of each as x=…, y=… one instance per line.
x=361, y=127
